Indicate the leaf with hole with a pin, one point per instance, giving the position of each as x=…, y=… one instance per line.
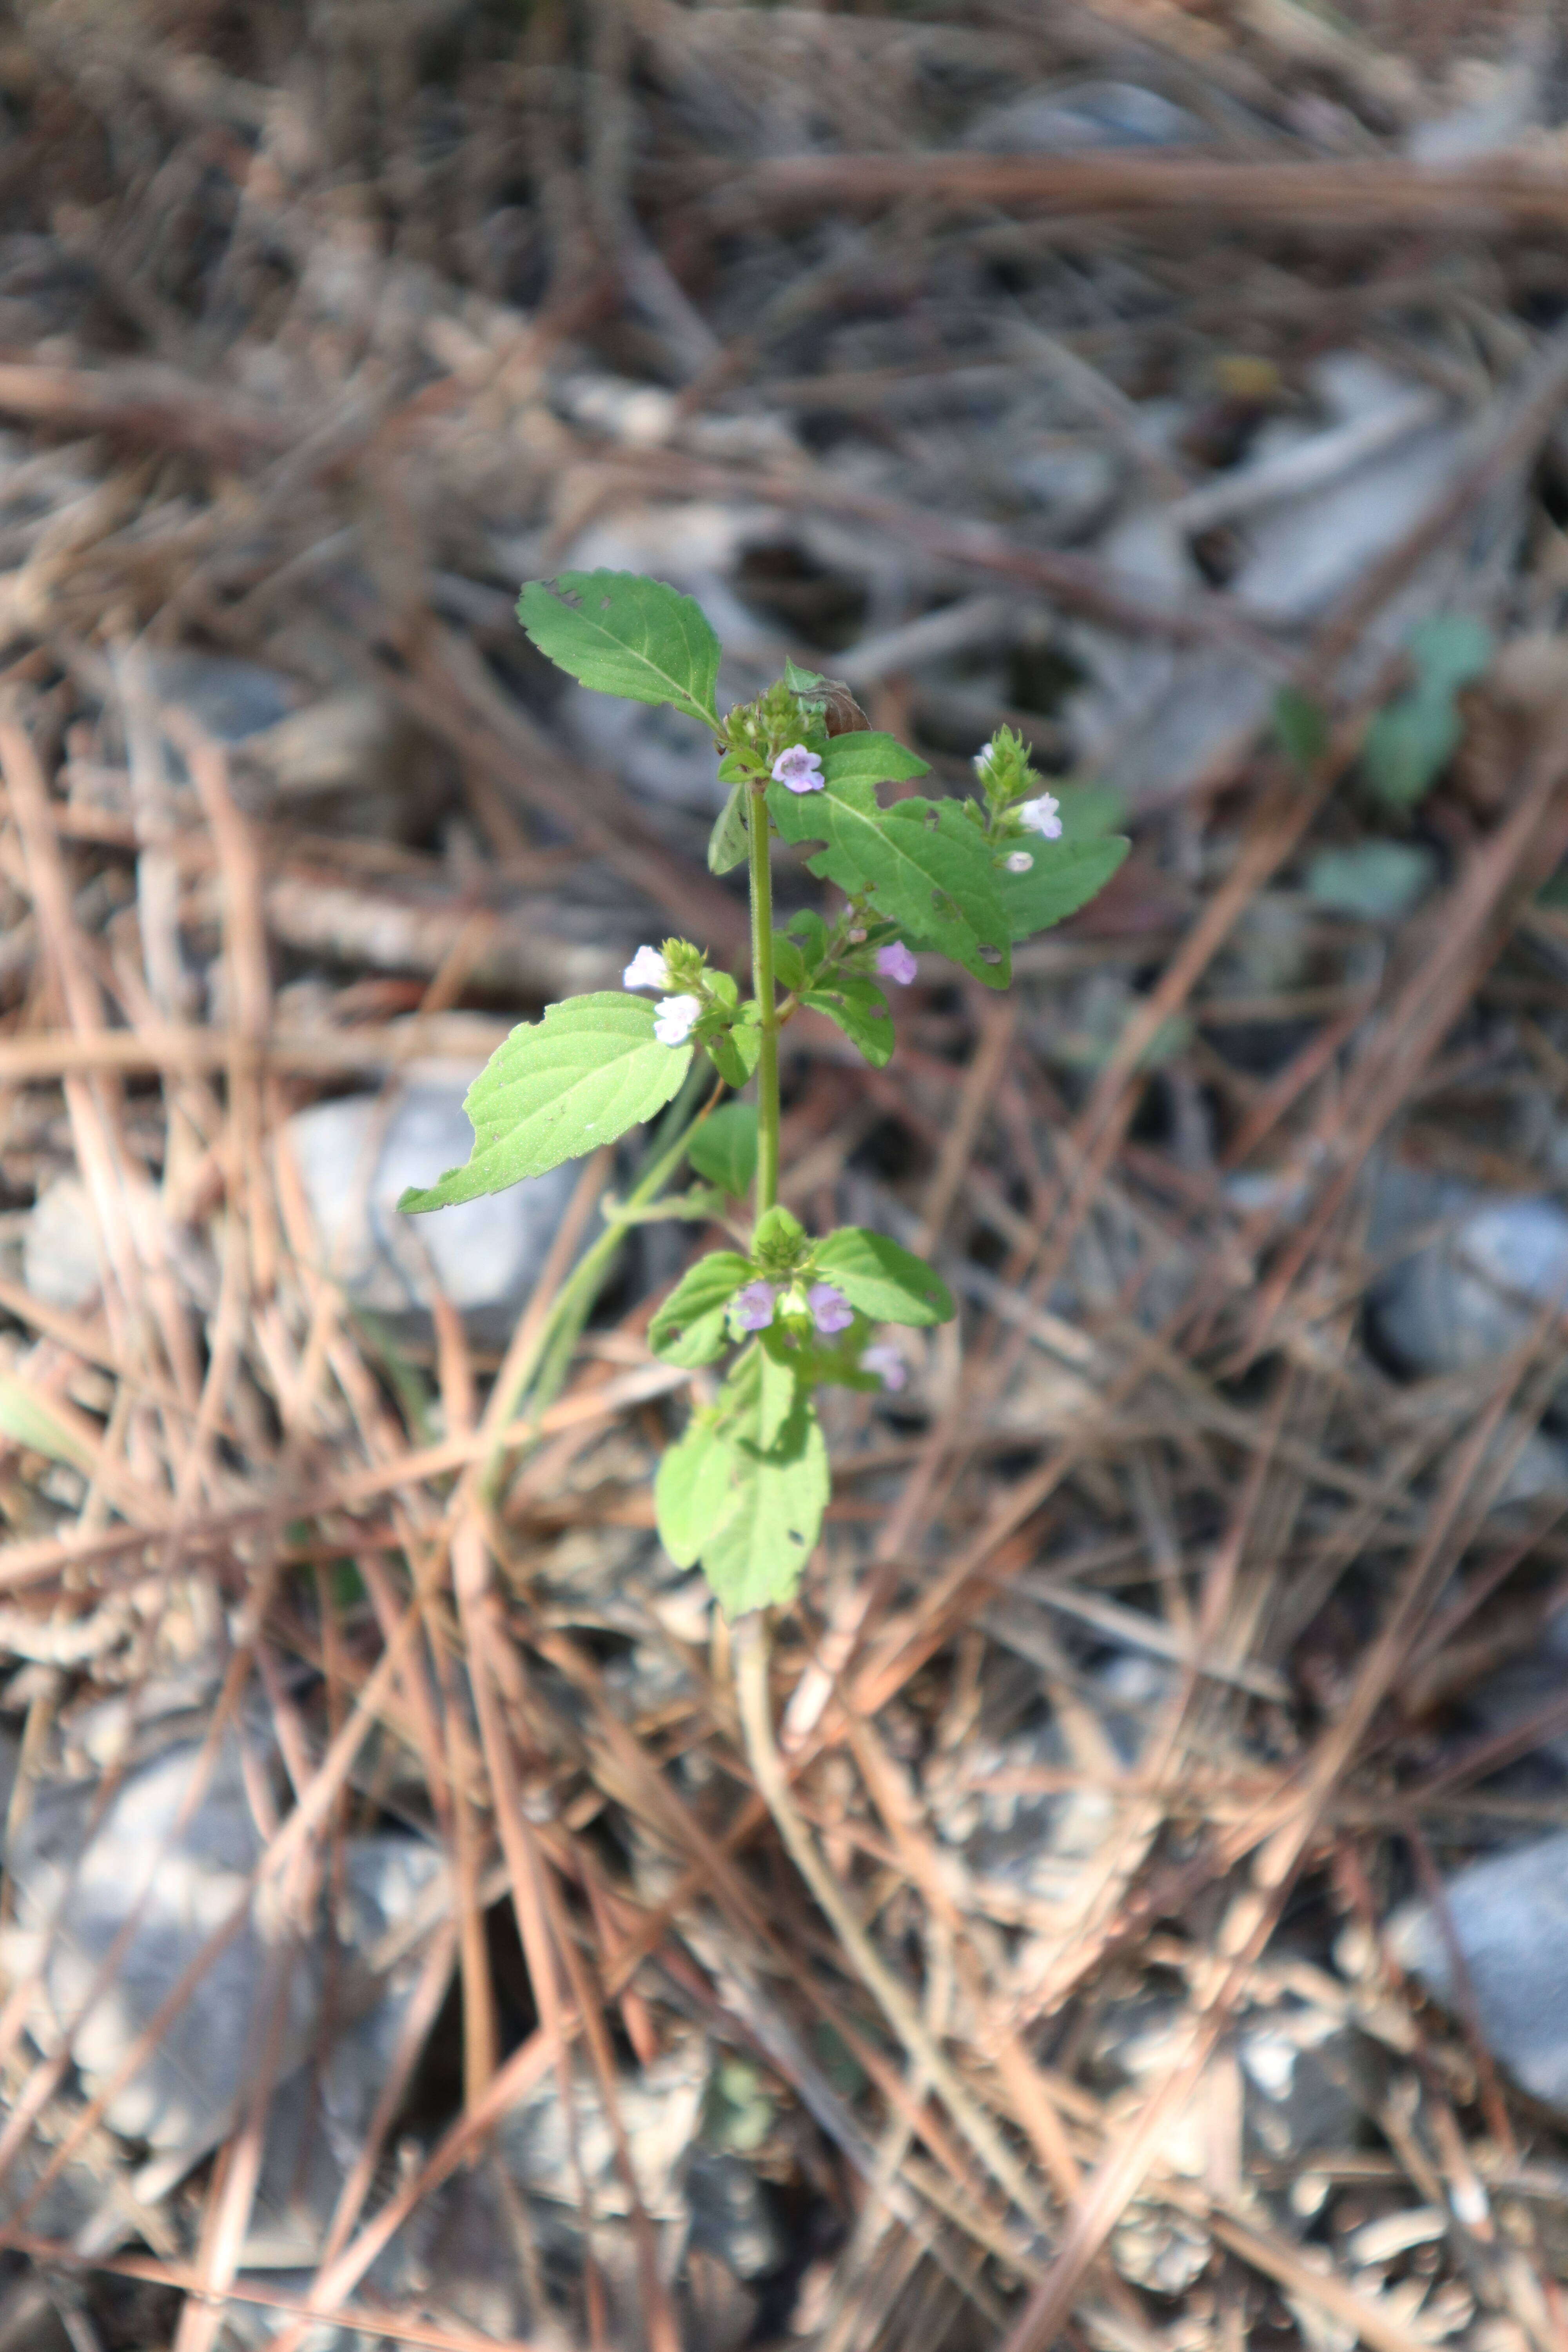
x=622, y=634
x=590, y=1069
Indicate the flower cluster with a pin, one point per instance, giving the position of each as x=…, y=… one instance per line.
x=1012, y=809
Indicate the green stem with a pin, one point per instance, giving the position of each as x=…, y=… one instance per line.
x=573, y=1302
x=767, y=1010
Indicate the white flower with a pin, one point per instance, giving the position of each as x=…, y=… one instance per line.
x=673, y=1018
x=646, y=969
x=1042, y=816
x=982, y=760
x=1018, y=861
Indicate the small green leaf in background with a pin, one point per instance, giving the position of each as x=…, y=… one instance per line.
x=756, y=1555
x=1379, y=880
x=1065, y=875
x=694, y=1490
x=1300, y=726
x=885, y=1283
x=730, y=840
x=778, y=1387
x=689, y=1328
x=624, y=634
x=724, y=1148
x=580, y=1077
x=1412, y=739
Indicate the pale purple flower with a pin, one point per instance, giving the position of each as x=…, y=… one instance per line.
x=646, y=969
x=798, y=770
x=896, y=963
x=674, y=1017
x=1018, y=861
x=889, y=1365
x=830, y=1310
x=751, y=1309
x=1042, y=816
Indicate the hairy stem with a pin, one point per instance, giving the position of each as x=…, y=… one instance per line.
x=767, y=1010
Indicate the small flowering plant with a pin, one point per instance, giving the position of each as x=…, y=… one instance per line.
x=744, y=1490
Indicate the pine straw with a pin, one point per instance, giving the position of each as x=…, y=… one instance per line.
x=233, y=1473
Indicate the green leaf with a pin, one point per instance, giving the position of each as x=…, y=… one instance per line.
x=931, y=872
x=724, y=1148
x=589, y=1070
x=884, y=1282
x=790, y=966
x=729, y=844
x=803, y=682
x=1065, y=876
x=778, y=1384
x=1408, y=746
x=1451, y=650
x=734, y=1052
x=695, y=1491
x=1412, y=740
x=810, y=929
x=1300, y=726
x=689, y=1328
x=870, y=758
x=624, y=634
x=860, y=1010
x=1379, y=880
x=754, y=1557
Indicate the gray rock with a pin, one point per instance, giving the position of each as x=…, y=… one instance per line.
x=231, y=699
x=59, y=1247
x=1509, y=1919
x=356, y=1157
x=730, y=2217
x=75, y=1889
x=1474, y=1292
x=1300, y=2068
x=1081, y=115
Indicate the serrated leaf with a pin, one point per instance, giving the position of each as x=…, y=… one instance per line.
x=859, y=1008
x=724, y=1148
x=884, y=1282
x=620, y=634
x=756, y=1555
x=1065, y=876
x=695, y=1490
x=734, y=1052
x=729, y=844
x=689, y=1328
x=580, y=1077
x=929, y=871
x=868, y=757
